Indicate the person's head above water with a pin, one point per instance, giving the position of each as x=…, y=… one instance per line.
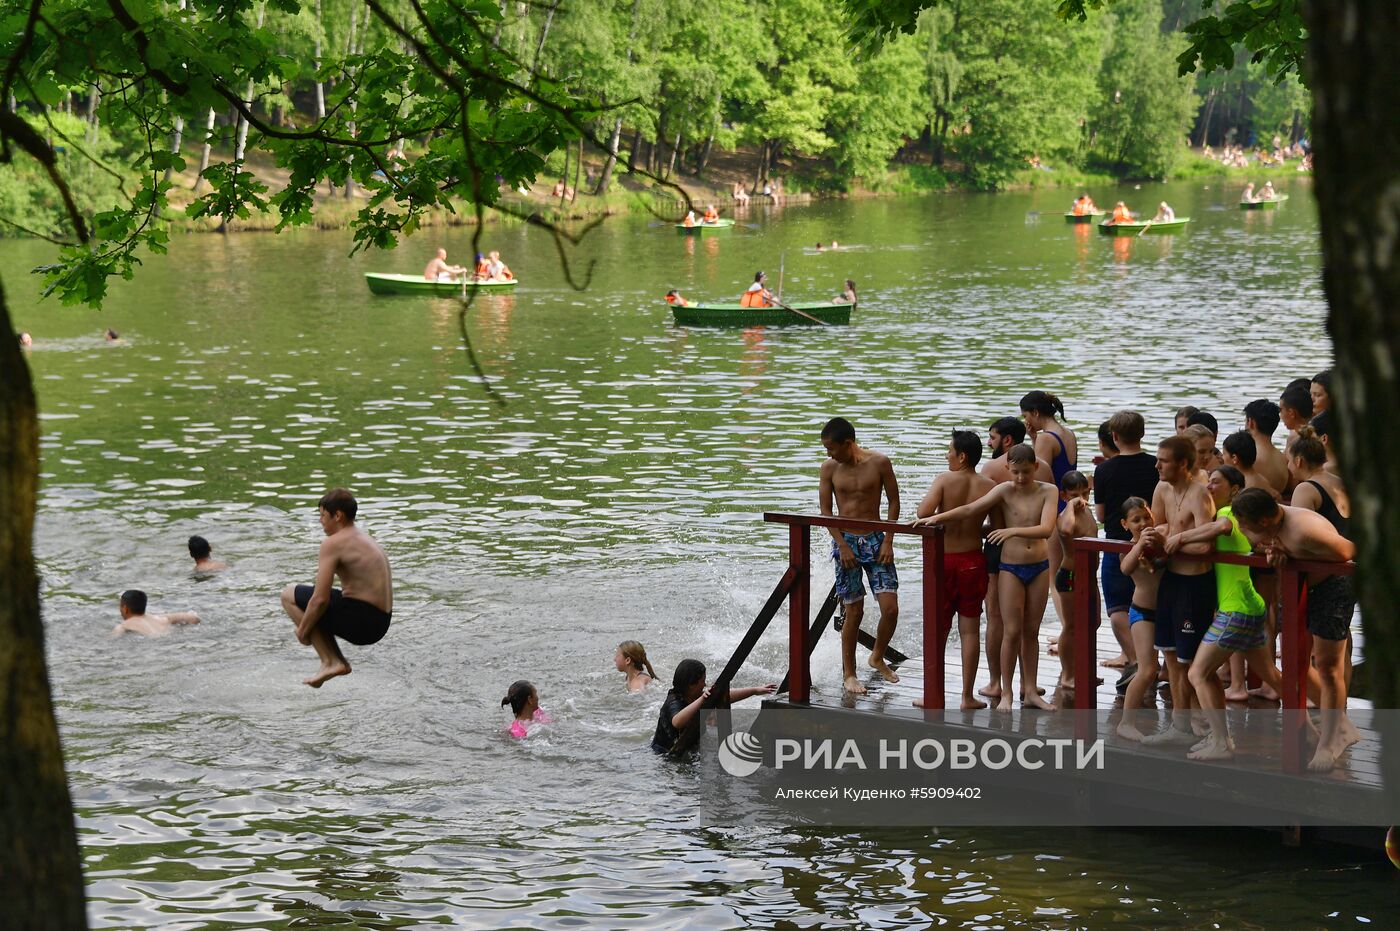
x=338, y=509
x=111, y=335
x=26, y=340
x=1005, y=433
x=199, y=548
x=133, y=602
x=632, y=655
x=688, y=681
x=521, y=696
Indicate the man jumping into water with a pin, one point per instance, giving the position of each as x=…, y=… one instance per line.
x=856, y=476
x=360, y=610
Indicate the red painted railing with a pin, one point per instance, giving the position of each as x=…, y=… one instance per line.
x=1297, y=642
x=800, y=597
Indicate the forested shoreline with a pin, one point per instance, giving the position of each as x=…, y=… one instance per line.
x=983, y=95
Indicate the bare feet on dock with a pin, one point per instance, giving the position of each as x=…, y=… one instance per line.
x=1324, y=760
x=853, y=686
x=1168, y=736
x=1237, y=694
x=1039, y=690
x=990, y=690
x=1035, y=701
x=880, y=666
x=1004, y=704
x=1130, y=732
x=972, y=704
x=1347, y=734
x=1118, y=662
x=1264, y=692
x=327, y=672
x=1212, y=750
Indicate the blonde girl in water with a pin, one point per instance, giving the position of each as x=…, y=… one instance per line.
x=631, y=658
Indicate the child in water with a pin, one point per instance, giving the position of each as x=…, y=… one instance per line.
x=631, y=658
x=681, y=709
x=524, y=701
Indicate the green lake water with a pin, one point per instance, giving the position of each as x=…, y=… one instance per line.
x=617, y=495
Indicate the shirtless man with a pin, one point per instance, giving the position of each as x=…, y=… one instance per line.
x=439, y=268
x=1287, y=532
x=202, y=554
x=360, y=613
x=1028, y=510
x=964, y=565
x=1261, y=420
x=1004, y=434
x=855, y=477
x=135, y=620
x=1186, y=595
x=1241, y=451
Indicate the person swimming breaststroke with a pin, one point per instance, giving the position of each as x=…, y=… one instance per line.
x=524, y=701
x=359, y=612
x=135, y=620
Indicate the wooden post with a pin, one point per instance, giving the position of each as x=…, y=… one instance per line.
x=1085, y=612
x=935, y=607
x=799, y=607
x=1295, y=670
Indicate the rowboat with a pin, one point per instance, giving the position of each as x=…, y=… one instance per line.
x=1083, y=217
x=381, y=283
x=734, y=315
x=1270, y=204
x=723, y=223
x=1138, y=226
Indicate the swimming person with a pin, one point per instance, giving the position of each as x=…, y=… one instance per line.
x=855, y=477
x=680, y=714
x=524, y=702
x=1028, y=510
x=135, y=620
x=200, y=552
x=440, y=270
x=631, y=658
x=359, y=611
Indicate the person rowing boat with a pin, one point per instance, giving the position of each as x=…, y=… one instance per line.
x=758, y=294
x=1248, y=196
x=1121, y=214
x=711, y=214
x=439, y=269
x=1165, y=214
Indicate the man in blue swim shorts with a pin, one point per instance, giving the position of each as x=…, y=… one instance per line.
x=855, y=478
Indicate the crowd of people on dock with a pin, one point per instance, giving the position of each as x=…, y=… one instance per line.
x=1278, y=153
x=1209, y=621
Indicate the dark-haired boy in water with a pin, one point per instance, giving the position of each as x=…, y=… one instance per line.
x=1076, y=520
x=964, y=565
x=1139, y=565
x=855, y=477
x=1028, y=511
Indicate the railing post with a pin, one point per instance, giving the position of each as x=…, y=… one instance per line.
x=935, y=606
x=1295, y=670
x=799, y=607
x=1085, y=647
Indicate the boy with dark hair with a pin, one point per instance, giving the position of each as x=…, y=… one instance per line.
x=1261, y=420
x=1186, y=597
x=1130, y=474
x=855, y=477
x=135, y=620
x=1205, y=419
x=201, y=551
x=1183, y=417
x=964, y=565
x=359, y=612
x=1295, y=406
x=1287, y=532
x=1028, y=512
x=1240, y=451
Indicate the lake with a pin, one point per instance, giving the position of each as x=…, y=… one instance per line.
x=616, y=495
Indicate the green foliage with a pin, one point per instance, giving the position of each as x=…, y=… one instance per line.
x=869, y=128
x=1144, y=109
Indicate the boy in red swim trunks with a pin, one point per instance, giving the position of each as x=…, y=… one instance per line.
x=964, y=566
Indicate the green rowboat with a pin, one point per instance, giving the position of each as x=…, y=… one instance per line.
x=733, y=315
x=1137, y=227
x=1270, y=204
x=723, y=223
x=1083, y=217
x=381, y=283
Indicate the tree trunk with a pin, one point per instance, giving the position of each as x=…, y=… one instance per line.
x=320, y=85
x=675, y=148
x=1356, y=131
x=1205, y=118
x=578, y=167
x=606, y=177
x=41, y=876
x=632, y=150
x=702, y=160
x=544, y=34
x=204, y=155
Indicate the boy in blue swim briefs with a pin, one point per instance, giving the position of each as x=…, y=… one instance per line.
x=855, y=477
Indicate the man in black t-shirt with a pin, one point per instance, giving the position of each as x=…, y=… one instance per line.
x=1131, y=473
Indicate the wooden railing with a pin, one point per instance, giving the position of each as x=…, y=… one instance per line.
x=1296, y=646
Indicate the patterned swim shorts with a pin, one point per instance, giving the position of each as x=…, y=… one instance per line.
x=865, y=546
x=1236, y=632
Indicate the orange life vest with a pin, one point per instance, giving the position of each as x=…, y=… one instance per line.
x=1122, y=215
x=689, y=220
x=711, y=216
x=676, y=299
x=505, y=273
x=1079, y=208
x=483, y=269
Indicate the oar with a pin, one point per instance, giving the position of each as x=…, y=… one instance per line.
x=1145, y=228
x=800, y=313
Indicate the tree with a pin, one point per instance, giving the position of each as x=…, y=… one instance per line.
x=887, y=103
x=1144, y=108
